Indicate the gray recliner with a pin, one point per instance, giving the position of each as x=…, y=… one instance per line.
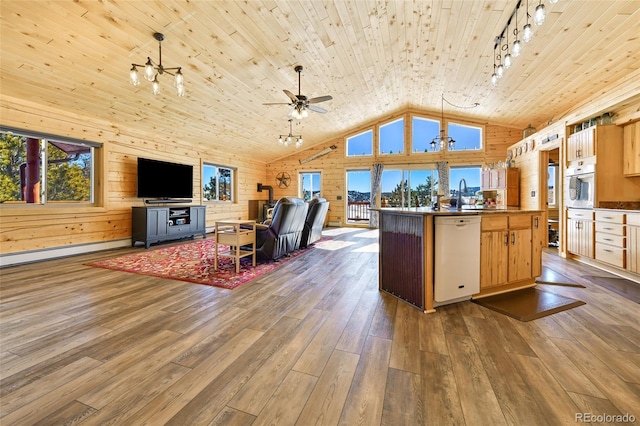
x=316, y=215
x=284, y=232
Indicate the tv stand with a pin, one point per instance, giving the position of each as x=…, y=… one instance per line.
x=151, y=225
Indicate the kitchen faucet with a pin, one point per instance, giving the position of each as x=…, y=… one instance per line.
x=460, y=187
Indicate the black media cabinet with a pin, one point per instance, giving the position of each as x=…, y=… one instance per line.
x=156, y=224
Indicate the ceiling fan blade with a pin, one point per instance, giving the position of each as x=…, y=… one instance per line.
x=291, y=96
x=317, y=109
x=320, y=99
x=277, y=103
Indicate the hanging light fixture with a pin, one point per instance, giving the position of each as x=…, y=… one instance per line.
x=527, y=30
x=507, y=57
x=517, y=46
x=287, y=140
x=442, y=139
x=540, y=14
x=152, y=70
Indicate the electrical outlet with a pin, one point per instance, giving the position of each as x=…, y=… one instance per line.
x=533, y=194
x=339, y=197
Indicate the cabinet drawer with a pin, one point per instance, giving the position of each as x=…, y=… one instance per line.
x=580, y=214
x=612, y=240
x=179, y=229
x=494, y=223
x=610, y=228
x=633, y=219
x=612, y=217
x=612, y=255
x=520, y=221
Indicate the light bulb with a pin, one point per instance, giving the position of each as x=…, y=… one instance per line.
x=539, y=15
x=527, y=33
x=304, y=113
x=507, y=61
x=500, y=70
x=494, y=82
x=156, y=86
x=133, y=76
x=149, y=70
x=299, y=143
x=180, y=90
x=280, y=141
x=288, y=139
x=517, y=48
x=553, y=1
x=179, y=80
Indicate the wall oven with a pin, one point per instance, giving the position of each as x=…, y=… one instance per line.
x=579, y=186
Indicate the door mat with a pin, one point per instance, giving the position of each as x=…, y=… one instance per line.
x=528, y=304
x=551, y=277
x=622, y=286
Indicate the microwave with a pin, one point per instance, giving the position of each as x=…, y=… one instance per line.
x=580, y=186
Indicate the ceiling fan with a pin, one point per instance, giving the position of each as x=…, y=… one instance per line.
x=299, y=103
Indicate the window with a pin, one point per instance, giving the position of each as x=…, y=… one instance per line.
x=217, y=183
x=471, y=176
x=392, y=137
x=358, y=195
x=401, y=187
x=422, y=133
x=361, y=144
x=552, y=184
x=45, y=169
x=468, y=138
x=309, y=185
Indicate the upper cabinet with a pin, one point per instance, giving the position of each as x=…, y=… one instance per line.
x=581, y=145
x=631, y=164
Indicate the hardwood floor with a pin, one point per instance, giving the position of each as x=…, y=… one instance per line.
x=313, y=342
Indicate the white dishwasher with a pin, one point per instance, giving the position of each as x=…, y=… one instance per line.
x=457, y=258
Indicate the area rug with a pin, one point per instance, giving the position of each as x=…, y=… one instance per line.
x=551, y=277
x=528, y=304
x=192, y=262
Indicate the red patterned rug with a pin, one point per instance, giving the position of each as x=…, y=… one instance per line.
x=192, y=262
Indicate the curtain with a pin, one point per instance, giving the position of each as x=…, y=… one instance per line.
x=443, y=178
x=376, y=177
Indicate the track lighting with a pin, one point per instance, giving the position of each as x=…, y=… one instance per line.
x=539, y=15
x=152, y=70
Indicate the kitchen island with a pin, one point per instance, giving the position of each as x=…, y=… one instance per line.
x=511, y=242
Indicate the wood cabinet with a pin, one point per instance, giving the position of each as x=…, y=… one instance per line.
x=581, y=144
x=610, y=238
x=506, y=183
x=633, y=242
x=151, y=225
x=511, y=248
x=580, y=232
x=631, y=164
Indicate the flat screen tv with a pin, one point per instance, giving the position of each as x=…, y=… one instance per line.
x=164, y=180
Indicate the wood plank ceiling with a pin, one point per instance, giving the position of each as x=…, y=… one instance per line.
x=373, y=57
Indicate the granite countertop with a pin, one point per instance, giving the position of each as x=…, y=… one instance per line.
x=619, y=205
x=469, y=210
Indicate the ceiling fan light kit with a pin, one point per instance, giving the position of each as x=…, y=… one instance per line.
x=153, y=70
x=501, y=43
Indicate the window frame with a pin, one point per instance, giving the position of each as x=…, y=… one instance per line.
x=233, y=171
x=348, y=138
x=96, y=172
x=479, y=127
x=301, y=187
x=380, y=132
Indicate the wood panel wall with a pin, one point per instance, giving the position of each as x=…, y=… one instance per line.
x=34, y=227
x=333, y=166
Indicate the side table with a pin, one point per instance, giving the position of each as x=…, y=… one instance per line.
x=229, y=232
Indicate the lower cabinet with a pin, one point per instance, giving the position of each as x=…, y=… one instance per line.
x=151, y=225
x=580, y=232
x=610, y=240
x=633, y=242
x=509, y=250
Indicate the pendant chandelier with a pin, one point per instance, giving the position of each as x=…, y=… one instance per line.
x=153, y=70
x=287, y=140
x=442, y=140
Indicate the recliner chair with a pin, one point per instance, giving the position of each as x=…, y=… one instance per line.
x=283, y=234
x=316, y=215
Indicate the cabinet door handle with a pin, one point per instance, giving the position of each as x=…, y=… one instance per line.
x=608, y=251
x=506, y=238
x=608, y=229
x=513, y=238
x=607, y=217
x=537, y=220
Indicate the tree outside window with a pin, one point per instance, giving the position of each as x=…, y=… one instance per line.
x=218, y=183
x=36, y=170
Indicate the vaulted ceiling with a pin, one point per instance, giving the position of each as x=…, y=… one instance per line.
x=373, y=57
